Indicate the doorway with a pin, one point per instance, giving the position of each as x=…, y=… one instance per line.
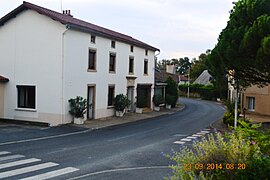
x=130, y=95
x=91, y=101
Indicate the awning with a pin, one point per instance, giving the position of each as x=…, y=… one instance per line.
x=3, y=79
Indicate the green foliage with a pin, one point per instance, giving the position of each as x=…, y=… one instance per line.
x=244, y=44
x=170, y=99
x=181, y=64
x=158, y=99
x=207, y=92
x=121, y=102
x=199, y=65
x=218, y=157
x=78, y=106
x=171, y=90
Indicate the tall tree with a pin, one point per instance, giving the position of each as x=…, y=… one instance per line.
x=244, y=45
x=199, y=65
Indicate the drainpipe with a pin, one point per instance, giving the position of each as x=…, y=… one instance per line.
x=62, y=75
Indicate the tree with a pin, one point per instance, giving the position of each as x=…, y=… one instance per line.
x=181, y=64
x=171, y=91
x=199, y=65
x=244, y=45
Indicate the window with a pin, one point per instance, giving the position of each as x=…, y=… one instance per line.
x=251, y=103
x=145, y=68
x=131, y=65
x=112, y=62
x=93, y=39
x=131, y=48
x=110, y=95
x=146, y=52
x=92, y=59
x=113, y=44
x=26, y=97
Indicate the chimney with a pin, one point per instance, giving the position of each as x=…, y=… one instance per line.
x=67, y=12
x=170, y=68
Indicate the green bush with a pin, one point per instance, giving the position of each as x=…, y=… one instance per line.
x=216, y=157
x=78, y=106
x=121, y=102
x=172, y=90
x=157, y=100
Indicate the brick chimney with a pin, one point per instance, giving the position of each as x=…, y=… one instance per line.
x=67, y=12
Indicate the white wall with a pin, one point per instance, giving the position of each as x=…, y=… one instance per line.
x=77, y=77
x=31, y=55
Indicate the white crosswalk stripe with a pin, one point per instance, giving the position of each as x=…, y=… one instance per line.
x=193, y=137
x=11, y=157
x=11, y=167
x=27, y=169
x=52, y=174
x=16, y=163
x=4, y=152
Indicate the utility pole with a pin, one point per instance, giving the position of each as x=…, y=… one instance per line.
x=188, y=81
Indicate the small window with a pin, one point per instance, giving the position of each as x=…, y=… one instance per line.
x=251, y=103
x=93, y=39
x=110, y=95
x=145, y=68
x=131, y=48
x=112, y=62
x=26, y=97
x=131, y=65
x=146, y=52
x=113, y=44
x=92, y=59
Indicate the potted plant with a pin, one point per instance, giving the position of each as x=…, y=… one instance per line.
x=120, y=103
x=169, y=101
x=78, y=108
x=141, y=101
x=157, y=100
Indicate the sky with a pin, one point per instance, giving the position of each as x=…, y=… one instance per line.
x=179, y=28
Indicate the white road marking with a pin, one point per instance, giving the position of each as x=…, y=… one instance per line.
x=4, y=152
x=11, y=157
x=179, y=142
x=205, y=132
x=185, y=139
x=180, y=135
x=43, y=138
x=191, y=137
x=52, y=174
x=16, y=163
x=26, y=169
x=196, y=135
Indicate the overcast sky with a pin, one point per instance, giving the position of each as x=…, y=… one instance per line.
x=179, y=28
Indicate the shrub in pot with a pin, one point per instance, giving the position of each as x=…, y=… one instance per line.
x=78, y=108
x=141, y=101
x=170, y=100
x=157, y=100
x=120, y=103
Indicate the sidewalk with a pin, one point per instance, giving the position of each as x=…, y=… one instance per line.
x=127, y=118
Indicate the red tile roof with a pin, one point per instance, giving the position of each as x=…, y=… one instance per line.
x=183, y=78
x=77, y=24
x=3, y=79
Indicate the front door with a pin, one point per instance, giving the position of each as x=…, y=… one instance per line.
x=91, y=102
x=130, y=95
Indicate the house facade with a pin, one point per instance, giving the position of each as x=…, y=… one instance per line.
x=256, y=100
x=49, y=57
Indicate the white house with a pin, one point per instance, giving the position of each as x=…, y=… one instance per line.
x=47, y=57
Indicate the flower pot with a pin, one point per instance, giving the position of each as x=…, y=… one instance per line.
x=139, y=110
x=119, y=113
x=168, y=106
x=79, y=120
x=156, y=108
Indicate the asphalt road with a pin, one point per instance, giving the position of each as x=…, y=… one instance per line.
x=130, y=151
